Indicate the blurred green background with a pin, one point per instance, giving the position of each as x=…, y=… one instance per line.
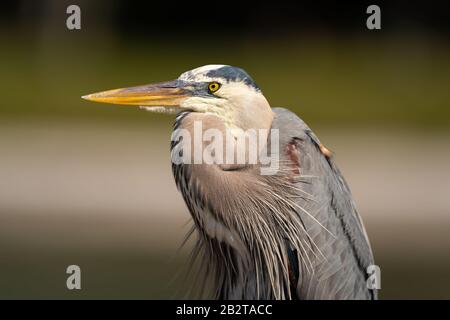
x=90, y=184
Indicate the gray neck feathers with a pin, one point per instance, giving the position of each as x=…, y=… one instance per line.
x=244, y=226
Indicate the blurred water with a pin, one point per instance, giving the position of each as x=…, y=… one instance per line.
x=101, y=195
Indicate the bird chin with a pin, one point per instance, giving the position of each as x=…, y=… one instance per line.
x=161, y=109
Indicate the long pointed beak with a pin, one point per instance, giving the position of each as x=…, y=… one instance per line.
x=164, y=94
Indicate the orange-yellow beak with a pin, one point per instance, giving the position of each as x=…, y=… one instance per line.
x=164, y=94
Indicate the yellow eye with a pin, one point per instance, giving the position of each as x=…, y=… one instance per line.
x=213, y=86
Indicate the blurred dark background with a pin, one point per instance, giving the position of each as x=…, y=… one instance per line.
x=90, y=184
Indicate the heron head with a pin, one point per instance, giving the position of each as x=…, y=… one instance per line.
x=224, y=91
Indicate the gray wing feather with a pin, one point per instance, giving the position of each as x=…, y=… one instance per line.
x=341, y=257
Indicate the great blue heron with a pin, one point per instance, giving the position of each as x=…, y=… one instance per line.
x=292, y=234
